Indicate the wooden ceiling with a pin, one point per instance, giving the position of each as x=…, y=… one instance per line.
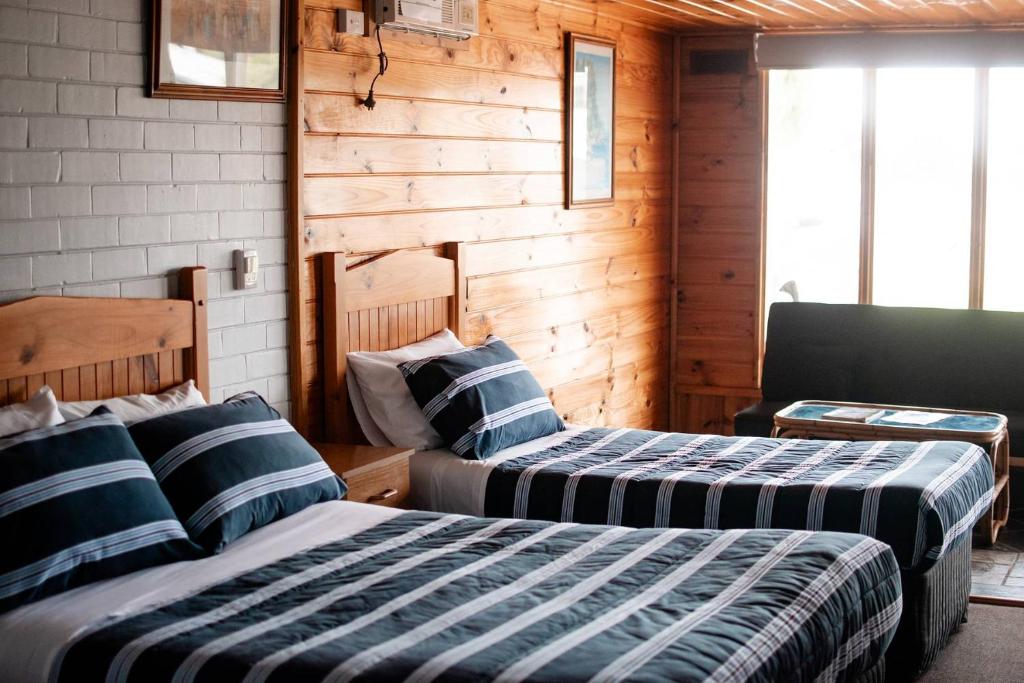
x=809, y=15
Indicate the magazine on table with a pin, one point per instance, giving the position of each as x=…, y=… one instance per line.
x=851, y=414
x=915, y=417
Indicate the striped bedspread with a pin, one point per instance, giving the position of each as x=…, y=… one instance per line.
x=920, y=498
x=426, y=597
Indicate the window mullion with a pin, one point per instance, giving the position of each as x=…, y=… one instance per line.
x=867, y=188
x=979, y=183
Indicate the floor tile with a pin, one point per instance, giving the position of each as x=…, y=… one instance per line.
x=994, y=556
x=988, y=572
x=988, y=590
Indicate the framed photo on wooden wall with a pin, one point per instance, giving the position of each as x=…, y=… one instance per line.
x=218, y=49
x=589, y=121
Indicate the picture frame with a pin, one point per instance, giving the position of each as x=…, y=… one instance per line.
x=589, y=121
x=218, y=49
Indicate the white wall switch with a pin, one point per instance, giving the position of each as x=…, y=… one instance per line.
x=351, y=21
x=247, y=268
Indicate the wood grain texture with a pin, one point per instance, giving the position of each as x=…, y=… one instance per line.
x=44, y=334
x=466, y=145
x=397, y=278
x=335, y=154
x=719, y=259
x=89, y=348
x=342, y=113
x=362, y=194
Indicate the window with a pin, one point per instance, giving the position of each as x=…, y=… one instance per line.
x=924, y=123
x=896, y=186
x=814, y=185
x=1004, y=213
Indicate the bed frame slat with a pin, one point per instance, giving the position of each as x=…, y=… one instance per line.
x=17, y=389
x=70, y=384
x=87, y=383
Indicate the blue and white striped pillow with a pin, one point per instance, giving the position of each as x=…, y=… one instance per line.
x=231, y=468
x=79, y=504
x=481, y=399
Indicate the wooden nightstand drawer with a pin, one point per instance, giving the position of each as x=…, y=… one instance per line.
x=383, y=486
x=374, y=475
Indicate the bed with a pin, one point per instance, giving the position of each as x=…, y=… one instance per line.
x=343, y=590
x=923, y=499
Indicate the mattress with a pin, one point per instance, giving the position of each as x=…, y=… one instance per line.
x=920, y=498
x=346, y=591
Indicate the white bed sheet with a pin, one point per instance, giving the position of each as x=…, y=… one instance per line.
x=31, y=637
x=441, y=481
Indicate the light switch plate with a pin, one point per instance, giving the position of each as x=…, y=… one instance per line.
x=247, y=268
x=351, y=21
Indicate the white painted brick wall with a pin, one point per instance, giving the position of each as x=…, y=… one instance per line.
x=105, y=192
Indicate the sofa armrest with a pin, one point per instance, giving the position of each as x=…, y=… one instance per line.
x=757, y=419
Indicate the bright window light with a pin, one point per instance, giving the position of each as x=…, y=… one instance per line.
x=1004, y=231
x=813, y=185
x=923, y=171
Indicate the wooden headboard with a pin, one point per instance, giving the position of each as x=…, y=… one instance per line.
x=384, y=302
x=94, y=348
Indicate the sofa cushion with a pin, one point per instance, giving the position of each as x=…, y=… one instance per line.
x=913, y=356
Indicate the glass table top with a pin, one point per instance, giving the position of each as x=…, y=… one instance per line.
x=953, y=422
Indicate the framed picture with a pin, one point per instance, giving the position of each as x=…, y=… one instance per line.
x=218, y=49
x=589, y=121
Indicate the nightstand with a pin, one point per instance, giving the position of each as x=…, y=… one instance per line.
x=374, y=475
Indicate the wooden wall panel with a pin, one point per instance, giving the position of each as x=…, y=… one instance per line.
x=465, y=144
x=718, y=283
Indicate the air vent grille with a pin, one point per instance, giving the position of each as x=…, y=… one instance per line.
x=717, y=62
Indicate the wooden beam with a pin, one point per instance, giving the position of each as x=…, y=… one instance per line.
x=299, y=374
x=673, y=308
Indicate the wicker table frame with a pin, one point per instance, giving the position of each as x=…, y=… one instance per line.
x=996, y=443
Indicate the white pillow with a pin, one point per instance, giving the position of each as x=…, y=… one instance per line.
x=387, y=397
x=370, y=429
x=139, y=406
x=38, y=411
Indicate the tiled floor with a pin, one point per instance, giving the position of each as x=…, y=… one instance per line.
x=999, y=571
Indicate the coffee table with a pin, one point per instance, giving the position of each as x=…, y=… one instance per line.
x=806, y=420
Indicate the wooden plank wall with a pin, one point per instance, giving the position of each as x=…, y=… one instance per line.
x=719, y=242
x=465, y=144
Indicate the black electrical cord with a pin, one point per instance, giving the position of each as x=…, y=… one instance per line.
x=369, y=102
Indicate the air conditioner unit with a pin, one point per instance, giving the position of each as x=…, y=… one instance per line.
x=445, y=18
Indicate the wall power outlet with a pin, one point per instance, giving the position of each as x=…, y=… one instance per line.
x=351, y=21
